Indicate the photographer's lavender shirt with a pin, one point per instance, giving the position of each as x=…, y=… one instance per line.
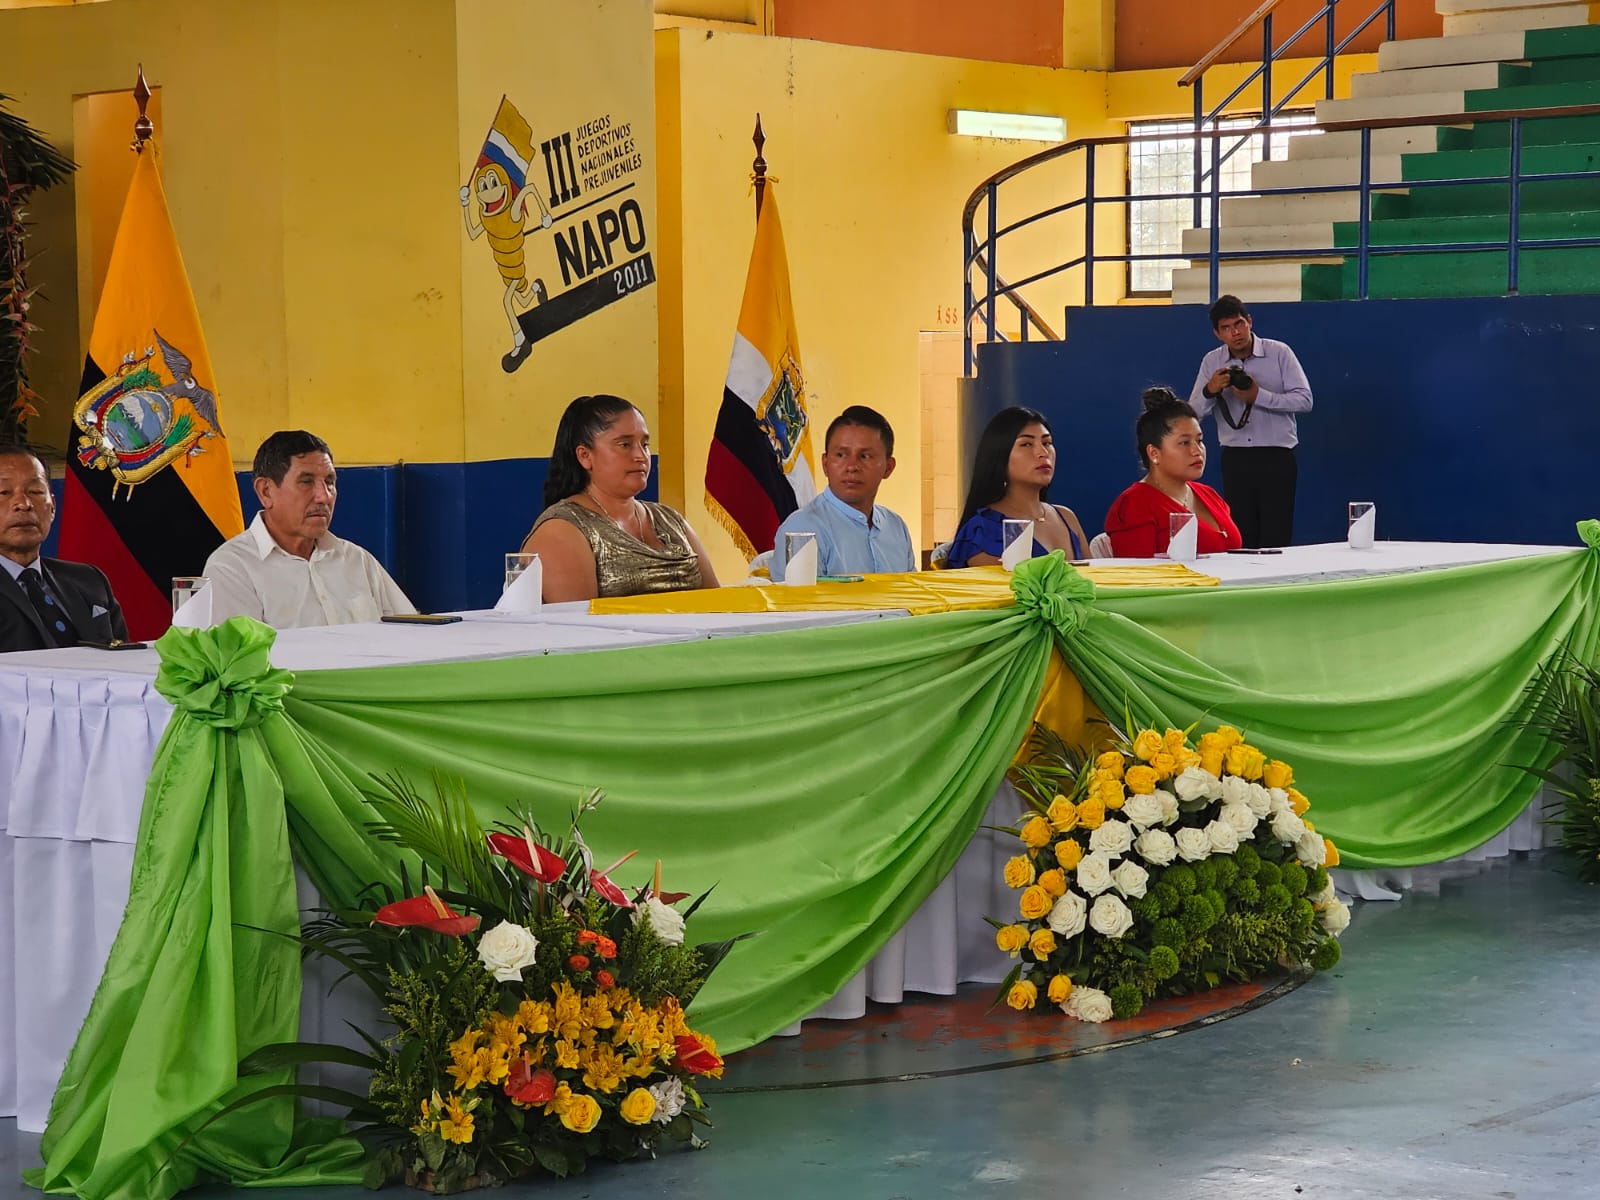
x=1284, y=392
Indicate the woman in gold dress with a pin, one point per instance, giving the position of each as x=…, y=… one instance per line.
x=595, y=537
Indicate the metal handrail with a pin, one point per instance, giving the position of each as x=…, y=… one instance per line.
x=1031, y=315
x=1226, y=44
x=980, y=255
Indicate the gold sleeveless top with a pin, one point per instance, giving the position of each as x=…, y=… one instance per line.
x=625, y=566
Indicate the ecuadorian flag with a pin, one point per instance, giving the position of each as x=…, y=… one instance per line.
x=759, y=468
x=509, y=144
x=147, y=331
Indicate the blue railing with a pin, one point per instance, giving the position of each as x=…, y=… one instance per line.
x=981, y=303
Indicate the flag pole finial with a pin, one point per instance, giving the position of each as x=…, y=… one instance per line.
x=759, y=166
x=143, y=128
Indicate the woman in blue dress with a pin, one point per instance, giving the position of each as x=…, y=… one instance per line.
x=1011, y=474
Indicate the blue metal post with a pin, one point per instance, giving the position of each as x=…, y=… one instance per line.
x=1365, y=224
x=1514, y=210
x=1088, y=227
x=966, y=305
x=1332, y=44
x=1389, y=32
x=1266, y=88
x=1216, y=217
x=1199, y=177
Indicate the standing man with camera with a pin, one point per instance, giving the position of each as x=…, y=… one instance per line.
x=1256, y=386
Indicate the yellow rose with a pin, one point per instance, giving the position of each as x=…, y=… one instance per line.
x=1245, y=761
x=1277, y=774
x=1042, y=944
x=1147, y=745
x=1333, y=854
x=582, y=1113
x=1229, y=736
x=1011, y=938
x=1060, y=989
x=1211, y=759
x=1092, y=813
x=1023, y=995
x=1019, y=871
x=1164, y=765
x=1309, y=826
x=1062, y=814
x=1174, y=742
x=637, y=1107
x=1053, y=882
x=1141, y=781
x=1037, y=833
x=1110, y=793
x=1187, y=759
x=1035, y=903
x=1111, y=762
x=1069, y=854
x=1298, y=802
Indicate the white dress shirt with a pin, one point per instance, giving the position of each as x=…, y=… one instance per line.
x=251, y=575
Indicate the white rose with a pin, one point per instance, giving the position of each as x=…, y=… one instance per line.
x=1235, y=789
x=1156, y=847
x=1311, y=849
x=665, y=921
x=1110, y=916
x=1130, y=879
x=1067, y=915
x=1144, y=811
x=1193, y=844
x=669, y=1099
x=1240, y=817
x=1094, y=873
x=1195, y=784
x=1223, y=837
x=1112, y=839
x=506, y=949
x=1319, y=900
x=1336, y=916
x=1276, y=801
x=1088, y=1004
x=1288, y=828
x=1169, y=806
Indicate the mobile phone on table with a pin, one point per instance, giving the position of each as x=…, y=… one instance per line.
x=116, y=645
x=841, y=578
x=420, y=619
x=1256, y=550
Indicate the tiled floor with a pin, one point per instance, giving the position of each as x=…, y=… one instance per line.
x=1453, y=1054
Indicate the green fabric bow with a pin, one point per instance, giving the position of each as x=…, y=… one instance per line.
x=222, y=677
x=1053, y=591
x=1589, y=532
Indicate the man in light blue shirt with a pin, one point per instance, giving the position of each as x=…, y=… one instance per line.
x=855, y=535
x=1255, y=386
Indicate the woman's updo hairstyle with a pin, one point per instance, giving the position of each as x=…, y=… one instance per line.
x=586, y=418
x=1161, y=408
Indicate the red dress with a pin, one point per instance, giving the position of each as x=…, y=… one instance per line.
x=1137, y=522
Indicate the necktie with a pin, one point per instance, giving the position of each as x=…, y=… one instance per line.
x=55, y=619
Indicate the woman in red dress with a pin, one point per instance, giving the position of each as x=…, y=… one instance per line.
x=1174, y=456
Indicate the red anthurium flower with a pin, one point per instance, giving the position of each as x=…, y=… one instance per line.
x=693, y=1056
x=604, y=980
x=527, y=1086
x=428, y=911
x=579, y=962
x=609, y=890
x=528, y=856
x=671, y=897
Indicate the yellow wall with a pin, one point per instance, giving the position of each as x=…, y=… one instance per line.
x=871, y=186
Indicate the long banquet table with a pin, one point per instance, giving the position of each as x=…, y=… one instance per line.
x=79, y=728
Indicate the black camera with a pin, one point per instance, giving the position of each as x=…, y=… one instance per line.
x=1238, y=379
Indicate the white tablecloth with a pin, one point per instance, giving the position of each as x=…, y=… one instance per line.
x=79, y=729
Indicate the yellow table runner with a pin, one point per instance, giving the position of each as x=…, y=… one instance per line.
x=917, y=592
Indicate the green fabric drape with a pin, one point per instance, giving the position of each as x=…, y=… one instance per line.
x=824, y=780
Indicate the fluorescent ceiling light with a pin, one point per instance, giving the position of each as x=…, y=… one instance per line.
x=1017, y=126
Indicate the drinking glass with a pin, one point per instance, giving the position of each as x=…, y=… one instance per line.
x=799, y=559
x=516, y=564
x=184, y=587
x=1182, y=537
x=1016, y=542
x=1363, y=523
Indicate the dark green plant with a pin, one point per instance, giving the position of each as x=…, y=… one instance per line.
x=1564, y=707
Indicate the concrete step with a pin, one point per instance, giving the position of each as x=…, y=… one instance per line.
x=1320, y=172
x=1259, y=281
x=1315, y=235
x=1414, y=53
x=1549, y=16
x=1300, y=208
x=1346, y=143
x=1463, y=77
x=1459, y=8
x=1375, y=108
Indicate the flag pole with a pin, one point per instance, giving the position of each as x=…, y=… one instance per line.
x=759, y=166
x=144, y=128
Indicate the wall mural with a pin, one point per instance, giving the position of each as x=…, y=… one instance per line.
x=563, y=197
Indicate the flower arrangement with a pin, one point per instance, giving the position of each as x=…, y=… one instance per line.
x=1159, y=868
x=537, y=1007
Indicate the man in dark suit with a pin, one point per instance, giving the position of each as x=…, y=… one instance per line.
x=44, y=602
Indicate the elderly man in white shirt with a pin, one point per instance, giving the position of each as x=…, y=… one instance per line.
x=287, y=570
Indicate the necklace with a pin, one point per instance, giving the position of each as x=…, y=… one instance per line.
x=1185, y=497
x=634, y=511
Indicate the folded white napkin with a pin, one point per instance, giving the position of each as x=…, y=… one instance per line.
x=195, y=612
x=526, y=593
x=1019, y=549
x=801, y=570
x=1363, y=528
x=1182, y=547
